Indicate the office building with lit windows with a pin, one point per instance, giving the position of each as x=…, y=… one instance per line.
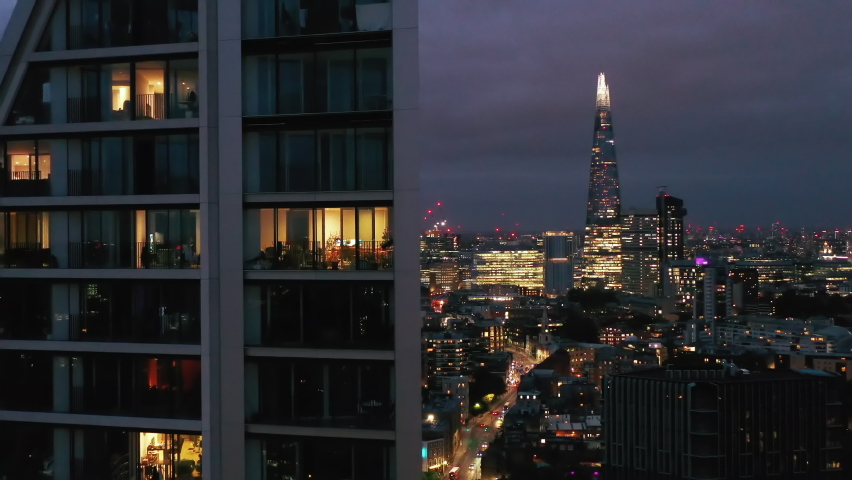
x=639, y=252
x=558, y=255
x=670, y=212
x=681, y=284
x=208, y=229
x=602, y=242
x=520, y=268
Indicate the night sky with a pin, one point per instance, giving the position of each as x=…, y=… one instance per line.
x=743, y=109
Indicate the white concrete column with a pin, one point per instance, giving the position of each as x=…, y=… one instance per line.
x=406, y=460
x=220, y=58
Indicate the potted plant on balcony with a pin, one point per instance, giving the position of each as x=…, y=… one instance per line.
x=332, y=250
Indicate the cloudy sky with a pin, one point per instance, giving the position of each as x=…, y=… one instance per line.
x=743, y=109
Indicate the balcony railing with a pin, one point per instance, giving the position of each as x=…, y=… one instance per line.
x=372, y=415
x=167, y=328
x=129, y=255
x=82, y=182
x=28, y=255
x=26, y=183
x=84, y=109
x=369, y=255
x=151, y=106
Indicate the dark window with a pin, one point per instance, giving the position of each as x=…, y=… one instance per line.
x=320, y=314
x=283, y=458
x=330, y=393
x=319, y=82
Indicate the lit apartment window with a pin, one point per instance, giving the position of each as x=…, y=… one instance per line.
x=348, y=238
x=145, y=90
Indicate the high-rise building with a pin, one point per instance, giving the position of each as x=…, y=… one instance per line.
x=209, y=240
x=639, y=250
x=447, y=355
x=681, y=284
x=602, y=242
x=520, y=268
x=558, y=271
x=720, y=422
x=744, y=285
x=670, y=212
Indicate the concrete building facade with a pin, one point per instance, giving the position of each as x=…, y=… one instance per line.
x=208, y=219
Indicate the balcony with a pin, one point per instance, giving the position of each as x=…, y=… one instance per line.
x=165, y=311
x=319, y=239
x=289, y=18
x=320, y=393
x=84, y=24
x=365, y=255
x=25, y=167
x=119, y=239
x=28, y=255
x=144, y=90
x=26, y=183
x=320, y=82
x=319, y=314
x=130, y=255
x=318, y=160
x=101, y=384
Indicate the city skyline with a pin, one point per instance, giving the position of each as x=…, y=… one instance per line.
x=719, y=105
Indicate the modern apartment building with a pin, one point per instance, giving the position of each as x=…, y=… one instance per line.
x=724, y=423
x=209, y=240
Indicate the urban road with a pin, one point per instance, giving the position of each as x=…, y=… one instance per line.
x=472, y=441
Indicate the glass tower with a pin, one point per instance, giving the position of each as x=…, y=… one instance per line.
x=602, y=245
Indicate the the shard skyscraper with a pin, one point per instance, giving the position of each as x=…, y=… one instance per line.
x=602, y=243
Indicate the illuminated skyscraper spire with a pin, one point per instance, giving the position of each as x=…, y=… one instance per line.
x=602, y=101
x=602, y=245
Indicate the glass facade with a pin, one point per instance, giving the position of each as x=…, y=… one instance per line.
x=101, y=384
x=602, y=245
x=137, y=165
x=82, y=24
x=303, y=458
x=25, y=167
x=319, y=314
x=34, y=451
x=317, y=160
x=142, y=90
x=524, y=268
x=317, y=392
x=348, y=238
x=318, y=82
x=165, y=311
x=140, y=165
x=286, y=18
x=101, y=239
x=25, y=240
